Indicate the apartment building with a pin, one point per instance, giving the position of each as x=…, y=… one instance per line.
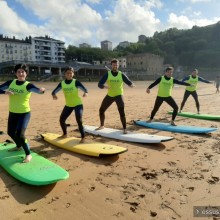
x=42, y=49
x=46, y=49
x=106, y=45
x=14, y=49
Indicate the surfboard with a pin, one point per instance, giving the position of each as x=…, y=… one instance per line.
x=39, y=171
x=178, y=128
x=198, y=116
x=129, y=137
x=90, y=149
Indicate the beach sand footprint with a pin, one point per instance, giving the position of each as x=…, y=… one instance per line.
x=4, y=197
x=29, y=211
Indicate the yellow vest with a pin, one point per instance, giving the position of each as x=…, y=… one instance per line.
x=165, y=87
x=192, y=81
x=71, y=94
x=115, y=84
x=19, y=102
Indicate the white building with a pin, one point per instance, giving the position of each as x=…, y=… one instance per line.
x=46, y=49
x=106, y=45
x=14, y=49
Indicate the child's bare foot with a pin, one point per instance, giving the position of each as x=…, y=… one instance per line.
x=149, y=121
x=27, y=159
x=63, y=136
x=172, y=123
x=82, y=141
x=14, y=149
x=125, y=131
x=100, y=128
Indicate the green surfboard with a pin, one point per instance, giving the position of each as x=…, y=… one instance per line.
x=39, y=171
x=198, y=116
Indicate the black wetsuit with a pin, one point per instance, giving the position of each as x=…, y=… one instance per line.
x=107, y=101
x=18, y=122
x=192, y=93
x=169, y=100
x=68, y=110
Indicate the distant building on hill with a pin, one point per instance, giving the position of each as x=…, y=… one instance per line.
x=84, y=45
x=124, y=44
x=106, y=45
x=142, y=38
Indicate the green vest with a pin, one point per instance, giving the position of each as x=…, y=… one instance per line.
x=19, y=102
x=71, y=94
x=193, y=82
x=165, y=87
x=115, y=84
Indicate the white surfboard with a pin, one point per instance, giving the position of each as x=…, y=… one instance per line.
x=130, y=136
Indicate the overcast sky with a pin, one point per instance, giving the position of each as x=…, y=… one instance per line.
x=92, y=21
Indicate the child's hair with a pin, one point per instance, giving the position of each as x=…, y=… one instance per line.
x=69, y=68
x=21, y=66
x=169, y=68
x=195, y=70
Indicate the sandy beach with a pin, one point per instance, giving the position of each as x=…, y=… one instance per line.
x=149, y=181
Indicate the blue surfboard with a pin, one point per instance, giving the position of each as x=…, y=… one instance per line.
x=178, y=128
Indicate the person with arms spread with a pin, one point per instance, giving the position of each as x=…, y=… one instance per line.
x=192, y=79
x=19, y=108
x=166, y=83
x=113, y=81
x=70, y=88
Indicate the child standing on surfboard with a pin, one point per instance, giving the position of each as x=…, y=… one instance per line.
x=113, y=81
x=166, y=83
x=19, y=108
x=70, y=88
x=193, y=79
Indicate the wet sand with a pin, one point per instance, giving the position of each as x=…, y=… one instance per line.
x=149, y=181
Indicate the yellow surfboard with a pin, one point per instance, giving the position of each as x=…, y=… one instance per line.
x=91, y=149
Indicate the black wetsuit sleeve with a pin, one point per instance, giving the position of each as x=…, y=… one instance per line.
x=154, y=83
x=5, y=85
x=80, y=86
x=126, y=80
x=102, y=81
x=185, y=79
x=203, y=80
x=32, y=88
x=2, y=92
x=175, y=81
x=57, y=89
